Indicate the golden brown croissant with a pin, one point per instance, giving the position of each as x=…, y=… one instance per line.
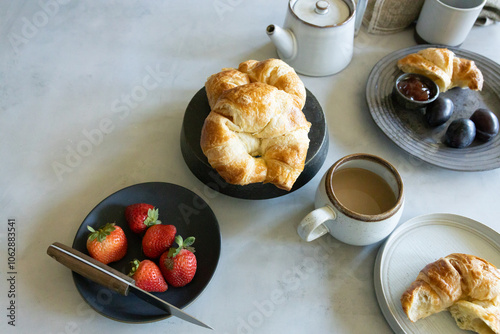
x=277, y=73
x=450, y=282
x=444, y=68
x=219, y=82
x=482, y=317
x=256, y=133
x=466, y=74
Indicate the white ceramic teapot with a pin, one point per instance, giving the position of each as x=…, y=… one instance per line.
x=318, y=36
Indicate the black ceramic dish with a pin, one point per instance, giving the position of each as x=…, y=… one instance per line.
x=196, y=112
x=177, y=206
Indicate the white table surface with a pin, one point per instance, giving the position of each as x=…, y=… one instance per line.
x=68, y=74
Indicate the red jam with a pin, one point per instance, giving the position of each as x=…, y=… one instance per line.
x=414, y=89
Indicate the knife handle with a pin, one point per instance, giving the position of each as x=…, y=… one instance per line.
x=90, y=268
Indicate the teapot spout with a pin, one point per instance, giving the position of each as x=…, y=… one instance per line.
x=284, y=41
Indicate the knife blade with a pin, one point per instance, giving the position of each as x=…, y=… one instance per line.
x=112, y=279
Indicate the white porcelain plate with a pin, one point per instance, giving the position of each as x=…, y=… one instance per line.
x=411, y=247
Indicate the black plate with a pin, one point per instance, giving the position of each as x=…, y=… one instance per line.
x=178, y=206
x=196, y=112
x=409, y=131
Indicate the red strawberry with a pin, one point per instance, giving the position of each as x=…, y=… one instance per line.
x=178, y=265
x=147, y=276
x=107, y=244
x=158, y=239
x=140, y=216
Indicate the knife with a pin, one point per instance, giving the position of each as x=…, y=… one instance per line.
x=112, y=279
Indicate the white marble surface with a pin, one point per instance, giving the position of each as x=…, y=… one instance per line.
x=73, y=67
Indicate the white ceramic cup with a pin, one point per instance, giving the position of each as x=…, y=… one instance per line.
x=350, y=227
x=447, y=22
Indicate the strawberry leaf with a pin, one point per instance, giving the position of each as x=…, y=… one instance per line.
x=152, y=218
x=135, y=265
x=189, y=241
x=173, y=251
x=183, y=244
x=93, y=235
x=101, y=233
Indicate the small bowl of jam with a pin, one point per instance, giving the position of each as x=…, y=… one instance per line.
x=414, y=91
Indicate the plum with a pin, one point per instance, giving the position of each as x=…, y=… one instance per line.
x=439, y=111
x=460, y=133
x=486, y=124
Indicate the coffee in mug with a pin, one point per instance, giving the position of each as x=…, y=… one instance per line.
x=359, y=201
x=362, y=191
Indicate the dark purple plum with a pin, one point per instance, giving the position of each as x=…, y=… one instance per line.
x=439, y=111
x=486, y=124
x=460, y=133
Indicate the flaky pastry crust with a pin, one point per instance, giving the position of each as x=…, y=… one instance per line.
x=444, y=68
x=465, y=284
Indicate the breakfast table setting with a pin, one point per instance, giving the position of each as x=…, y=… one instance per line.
x=230, y=123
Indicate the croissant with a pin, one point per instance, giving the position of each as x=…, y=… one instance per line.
x=256, y=133
x=466, y=74
x=481, y=317
x=464, y=284
x=444, y=68
x=217, y=83
x=277, y=73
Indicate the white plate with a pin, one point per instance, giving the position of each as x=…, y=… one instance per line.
x=411, y=247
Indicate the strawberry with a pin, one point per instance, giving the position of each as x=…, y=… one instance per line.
x=157, y=240
x=178, y=265
x=140, y=216
x=107, y=244
x=148, y=276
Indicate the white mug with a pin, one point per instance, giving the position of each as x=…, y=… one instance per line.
x=331, y=216
x=317, y=38
x=447, y=22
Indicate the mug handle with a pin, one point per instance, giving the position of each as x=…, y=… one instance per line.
x=312, y=227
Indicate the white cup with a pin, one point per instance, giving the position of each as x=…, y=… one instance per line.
x=331, y=216
x=447, y=22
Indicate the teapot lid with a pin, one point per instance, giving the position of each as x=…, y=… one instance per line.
x=321, y=13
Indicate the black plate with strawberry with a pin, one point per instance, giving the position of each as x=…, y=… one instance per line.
x=177, y=206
